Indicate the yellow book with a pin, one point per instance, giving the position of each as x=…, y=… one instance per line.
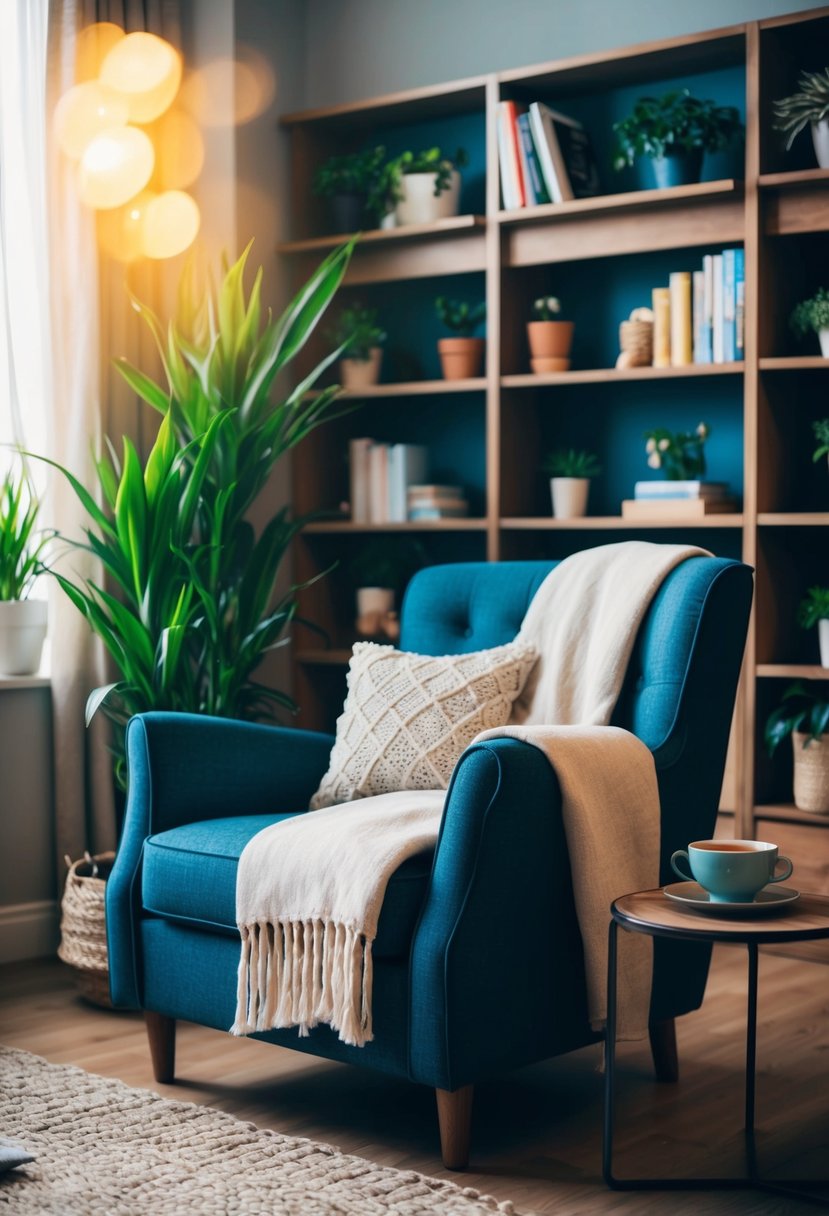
x=661, y=297
x=682, y=345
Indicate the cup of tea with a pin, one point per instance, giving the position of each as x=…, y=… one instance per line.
x=732, y=871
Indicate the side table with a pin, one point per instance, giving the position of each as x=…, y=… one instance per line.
x=652, y=913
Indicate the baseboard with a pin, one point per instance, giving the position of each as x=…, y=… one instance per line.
x=28, y=930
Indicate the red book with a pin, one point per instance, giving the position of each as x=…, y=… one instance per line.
x=511, y=110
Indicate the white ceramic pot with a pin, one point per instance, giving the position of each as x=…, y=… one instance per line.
x=823, y=642
x=22, y=634
x=361, y=373
x=820, y=139
x=823, y=338
x=811, y=773
x=569, y=496
x=419, y=205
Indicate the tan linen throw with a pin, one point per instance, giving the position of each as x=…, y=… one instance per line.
x=309, y=889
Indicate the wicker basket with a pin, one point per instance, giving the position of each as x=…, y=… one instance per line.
x=83, y=942
x=811, y=774
x=636, y=341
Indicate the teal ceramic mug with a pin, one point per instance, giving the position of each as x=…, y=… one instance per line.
x=732, y=871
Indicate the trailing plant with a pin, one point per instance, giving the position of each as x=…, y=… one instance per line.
x=673, y=123
x=460, y=316
x=546, y=308
x=679, y=454
x=431, y=160
x=571, y=463
x=21, y=546
x=803, y=710
x=811, y=316
x=192, y=607
x=357, y=332
x=814, y=607
x=809, y=104
x=821, y=428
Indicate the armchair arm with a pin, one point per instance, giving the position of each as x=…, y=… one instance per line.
x=188, y=767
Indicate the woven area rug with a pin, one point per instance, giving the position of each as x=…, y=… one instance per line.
x=104, y=1149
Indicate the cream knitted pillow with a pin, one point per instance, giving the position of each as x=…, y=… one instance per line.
x=407, y=717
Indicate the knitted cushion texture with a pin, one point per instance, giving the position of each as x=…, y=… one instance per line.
x=408, y=717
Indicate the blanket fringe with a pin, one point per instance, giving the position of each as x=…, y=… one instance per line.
x=302, y=973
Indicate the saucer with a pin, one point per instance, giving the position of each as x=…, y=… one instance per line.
x=692, y=895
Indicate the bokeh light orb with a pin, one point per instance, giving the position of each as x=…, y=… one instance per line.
x=146, y=71
x=179, y=150
x=116, y=165
x=84, y=112
x=92, y=46
x=121, y=229
x=171, y=223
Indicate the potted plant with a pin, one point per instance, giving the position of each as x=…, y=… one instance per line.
x=804, y=715
x=549, y=337
x=814, y=610
x=361, y=340
x=680, y=455
x=821, y=428
x=667, y=136
x=810, y=104
x=570, y=473
x=426, y=186
x=461, y=357
x=22, y=620
x=356, y=185
x=379, y=573
x=812, y=317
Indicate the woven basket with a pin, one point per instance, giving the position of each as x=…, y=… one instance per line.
x=83, y=942
x=811, y=774
x=636, y=340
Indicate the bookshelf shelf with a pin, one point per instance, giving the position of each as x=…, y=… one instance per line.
x=389, y=236
x=792, y=671
x=793, y=178
x=613, y=522
x=793, y=363
x=786, y=813
x=610, y=375
x=418, y=388
x=322, y=528
x=793, y=519
x=631, y=200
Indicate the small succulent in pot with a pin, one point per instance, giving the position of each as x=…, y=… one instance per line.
x=425, y=185
x=460, y=316
x=812, y=317
x=570, y=472
x=550, y=339
x=461, y=356
x=679, y=454
x=672, y=132
x=358, y=332
x=357, y=185
x=809, y=106
x=546, y=308
x=572, y=463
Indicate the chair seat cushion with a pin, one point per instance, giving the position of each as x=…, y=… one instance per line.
x=189, y=874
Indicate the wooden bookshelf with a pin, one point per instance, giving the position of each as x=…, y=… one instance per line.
x=775, y=205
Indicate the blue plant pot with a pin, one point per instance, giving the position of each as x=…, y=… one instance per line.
x=676, y=169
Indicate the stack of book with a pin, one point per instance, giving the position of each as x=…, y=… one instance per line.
x=436, y=502
x=545, y=157
x=700, y=317
x=678, y=500
x=380, y=475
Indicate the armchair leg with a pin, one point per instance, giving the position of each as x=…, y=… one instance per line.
x=455, y=1122
x=161, y=1032
x=663, y=1049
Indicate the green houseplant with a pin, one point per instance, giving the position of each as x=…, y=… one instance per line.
x=461, y=356
x=812, y=317
x=570, y=472
x=668, y=136
x=820, y=426
x=809, y=106
x=190, y=607
x=22, y=546
x=814, y=610
x=804, y=714
x=361, y=340
x=680, y=455
x=426, y=185
x=550, y=338
x=356, y=184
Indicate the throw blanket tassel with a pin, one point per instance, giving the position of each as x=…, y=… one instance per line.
x=301, y=973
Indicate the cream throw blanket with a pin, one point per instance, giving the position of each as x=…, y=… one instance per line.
x=310, y=889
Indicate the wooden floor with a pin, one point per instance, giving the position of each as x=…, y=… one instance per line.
x=537, y=1137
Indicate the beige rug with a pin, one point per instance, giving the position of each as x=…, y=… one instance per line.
x=104, y=1149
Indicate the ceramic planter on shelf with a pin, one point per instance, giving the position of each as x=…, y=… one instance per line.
x=347, y=211
x=22, y=634
x=681, y=168
x=419, y=205
x=461, y=358
x=811, y=773
x=823, y=338
x=820, y=139
x=361, y=373
x=550, y=345
x=823, y=642
x=569, y=495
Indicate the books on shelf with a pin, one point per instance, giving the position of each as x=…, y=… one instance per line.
x=682, y=351
x=379, y=476
x=700, y=316
x=544, y=156
x=431, y=502
x=662, y=490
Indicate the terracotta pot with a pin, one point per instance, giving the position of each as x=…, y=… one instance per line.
x=550, y=340
x=361, y=373
x=569, y=496
x=419, y=205
x=22, y=634
x=811, y=773
x=461, y=358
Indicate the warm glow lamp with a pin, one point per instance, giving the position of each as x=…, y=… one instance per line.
x=116, y=165
x=171, y=222
x=93, y=44
x=84, y=112
x=146, y=71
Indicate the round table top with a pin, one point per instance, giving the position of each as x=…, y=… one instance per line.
x=653, y=913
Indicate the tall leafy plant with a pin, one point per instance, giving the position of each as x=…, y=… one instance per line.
x=189, y=606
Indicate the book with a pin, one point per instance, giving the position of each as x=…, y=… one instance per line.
x=523, y=162
x=508, y=138
x=681, y=338
x=543, y=134
x=676, y=508
x=698, y=318
x=407, y=464
x=539, y=189
x=707, y=350
x=661, y=299
x=740, y=309
x=358, y=473
x=717, y=310
x=679, y=489
x=378, y=483
x=729, y=304
x=571, y=154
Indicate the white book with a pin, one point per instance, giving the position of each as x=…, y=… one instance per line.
x=707, y=308
x=544, y=138
x=699, y=316
x=407, y=465
x=717, y=311
x=378, y=483
x=358, y=460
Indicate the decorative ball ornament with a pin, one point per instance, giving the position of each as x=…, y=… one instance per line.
x=115, y=166
x=146, y=71
x=84, y=112
x=171, y=223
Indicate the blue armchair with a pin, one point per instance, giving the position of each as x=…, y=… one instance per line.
x=200, y=788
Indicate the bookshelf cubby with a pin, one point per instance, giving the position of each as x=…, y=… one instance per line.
x=601, y=256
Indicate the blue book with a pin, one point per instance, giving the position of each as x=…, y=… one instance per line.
x=729, y=303
x=531, y=160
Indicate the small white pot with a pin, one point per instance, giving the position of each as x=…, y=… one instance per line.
x=22, y=634
x=820, y=139
x=361, y=373
x=823, y=338
x=569, y=496
x=373, y=607
x=418, y=204
x=823, y=641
